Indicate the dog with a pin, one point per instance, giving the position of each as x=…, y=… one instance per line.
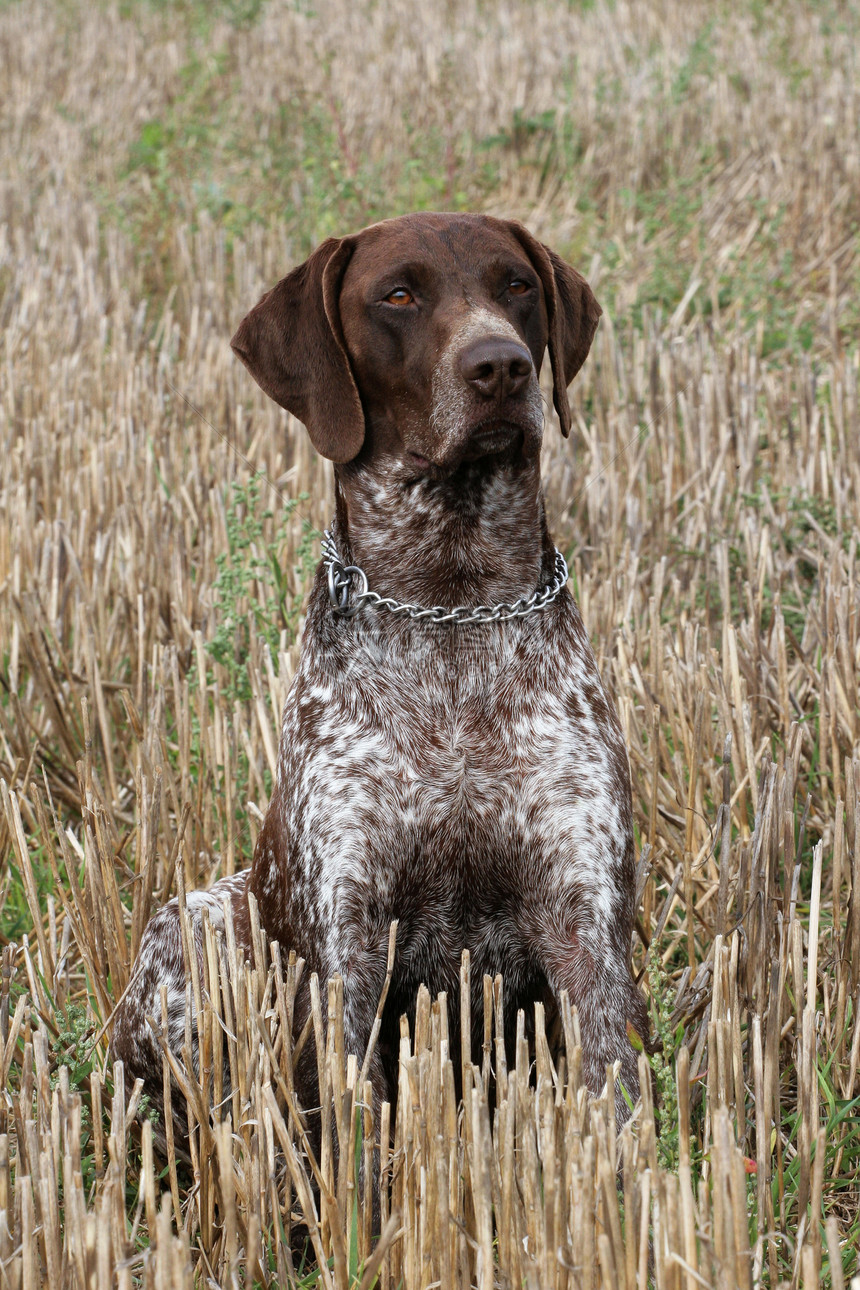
x=449, y=757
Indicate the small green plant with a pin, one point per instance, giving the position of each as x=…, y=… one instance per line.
x=663, y=1061
x=73, y=1045
x=700, y=61
x=15, y=915
x=250, y=591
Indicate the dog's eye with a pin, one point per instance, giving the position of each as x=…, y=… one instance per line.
x=400, y=296
x=519, y=287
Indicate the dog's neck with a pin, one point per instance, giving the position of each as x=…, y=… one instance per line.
x=477, y=537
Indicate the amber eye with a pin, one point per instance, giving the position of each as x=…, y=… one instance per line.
x=518, y=287
x=400, y=296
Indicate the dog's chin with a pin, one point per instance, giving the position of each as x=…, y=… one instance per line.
x=496, y=439
x=494, y=443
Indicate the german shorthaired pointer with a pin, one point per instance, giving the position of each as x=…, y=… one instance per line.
x=449, y=757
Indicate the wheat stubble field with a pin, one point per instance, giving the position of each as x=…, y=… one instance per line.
x=161, y=165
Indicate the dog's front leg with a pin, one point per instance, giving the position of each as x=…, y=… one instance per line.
x=361, y=960
x=589, y=961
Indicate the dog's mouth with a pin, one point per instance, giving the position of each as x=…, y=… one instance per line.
x=496, y=437
x=492, y=439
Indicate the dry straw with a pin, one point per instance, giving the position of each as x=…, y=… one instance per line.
x=705, y=175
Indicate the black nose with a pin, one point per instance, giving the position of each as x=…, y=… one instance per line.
x=496, y=367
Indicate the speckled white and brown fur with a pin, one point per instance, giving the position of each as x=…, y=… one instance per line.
x=471, y=782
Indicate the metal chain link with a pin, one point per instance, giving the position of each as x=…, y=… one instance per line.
x=340, y=578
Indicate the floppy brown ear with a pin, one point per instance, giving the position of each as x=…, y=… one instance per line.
x=292, y=344
x=572, y=314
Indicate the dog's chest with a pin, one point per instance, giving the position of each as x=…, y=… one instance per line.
x=462, y=771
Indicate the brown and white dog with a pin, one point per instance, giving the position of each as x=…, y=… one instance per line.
x=468, y=778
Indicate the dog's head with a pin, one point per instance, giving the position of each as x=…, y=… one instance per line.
x=422, y=338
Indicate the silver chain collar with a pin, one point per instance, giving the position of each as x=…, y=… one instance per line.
x=340, y=578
